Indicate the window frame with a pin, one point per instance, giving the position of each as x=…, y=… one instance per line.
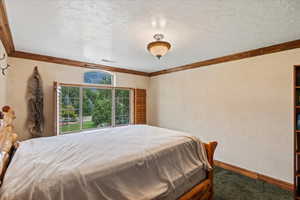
x=131, y=102
x=95, y=86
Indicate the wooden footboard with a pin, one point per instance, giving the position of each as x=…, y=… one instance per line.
x=204, y=190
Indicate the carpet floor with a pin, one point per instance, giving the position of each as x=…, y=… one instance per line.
x=232, y=186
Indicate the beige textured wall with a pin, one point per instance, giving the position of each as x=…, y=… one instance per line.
x=245, y=105
x=22, y=69
x=2, y=79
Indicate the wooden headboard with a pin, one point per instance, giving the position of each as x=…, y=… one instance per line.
x=8, y=138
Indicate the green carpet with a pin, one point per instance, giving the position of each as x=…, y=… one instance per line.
x=232, y=186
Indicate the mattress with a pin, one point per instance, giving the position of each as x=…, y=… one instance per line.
x=136, y=162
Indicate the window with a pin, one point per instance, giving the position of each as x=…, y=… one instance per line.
x=122, y=98
x=84, y=107
x=98, y=77
x=97, y=108
x=69, y=109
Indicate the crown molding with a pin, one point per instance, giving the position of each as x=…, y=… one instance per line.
x=7, y=40
x=75, y=63
x=238, y=56
x=5, y=33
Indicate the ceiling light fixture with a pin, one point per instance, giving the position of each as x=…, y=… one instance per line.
x=158, y=48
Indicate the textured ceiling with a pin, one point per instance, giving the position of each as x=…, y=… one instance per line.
x=119, y=30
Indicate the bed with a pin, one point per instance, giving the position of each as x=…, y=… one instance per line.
x=135, y=162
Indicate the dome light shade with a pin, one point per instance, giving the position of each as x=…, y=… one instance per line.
x=158, y=48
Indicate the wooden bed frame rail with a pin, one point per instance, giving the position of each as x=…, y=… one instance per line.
x=204, y=190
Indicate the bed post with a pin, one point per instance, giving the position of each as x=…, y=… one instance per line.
x=204, y=190
x=210, y=150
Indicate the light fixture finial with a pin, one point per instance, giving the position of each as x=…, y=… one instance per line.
x=158, y=36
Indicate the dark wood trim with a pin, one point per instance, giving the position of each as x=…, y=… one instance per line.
x=7, y=40
x=238, y=56
x=64, y=61
x=274, y=181
x=236, y=169
x=295, y=132
x=5, y=33
x=282, y=184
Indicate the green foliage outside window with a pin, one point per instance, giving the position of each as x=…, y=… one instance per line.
x=101, y=115
x=89, y=96
x=122, y=106
x=96, y=108
x=69, y=113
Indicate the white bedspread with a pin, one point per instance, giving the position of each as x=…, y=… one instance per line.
x=135, y=162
